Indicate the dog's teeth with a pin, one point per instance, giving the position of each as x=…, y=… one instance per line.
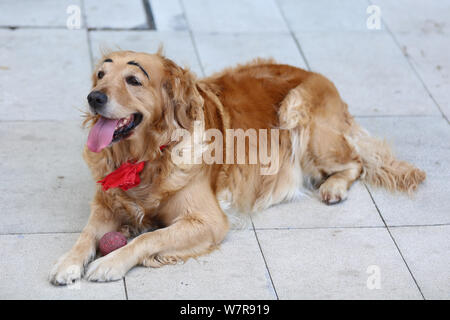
x=123, y=122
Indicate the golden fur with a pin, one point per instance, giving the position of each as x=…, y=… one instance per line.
x=320, y=142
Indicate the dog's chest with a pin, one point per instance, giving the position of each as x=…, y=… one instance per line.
x=131, y=205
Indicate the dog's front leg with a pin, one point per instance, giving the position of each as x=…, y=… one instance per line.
x=70, y=267
x=197, y=230
x=185, y=238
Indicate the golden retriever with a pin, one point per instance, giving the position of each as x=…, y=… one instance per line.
x=140, y=100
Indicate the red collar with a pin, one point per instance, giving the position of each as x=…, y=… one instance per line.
x=126, y=176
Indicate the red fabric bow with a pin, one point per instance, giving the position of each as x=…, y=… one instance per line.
x=125, y=177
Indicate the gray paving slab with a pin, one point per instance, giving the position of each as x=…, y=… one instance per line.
x=426, y=250
x=234, y=16
x=235, y=271
x=26, y=262
x=326, y=15
x=43, y=13
x=415, y=15
x=46, y=186
x=177, y=45
x=225, y=50
x=44, y=74
x=120, y=14
x=425, y=142
x=360, y=263
x=309, y=212
x=369, y=70
x=169, y=15
x=428, y=55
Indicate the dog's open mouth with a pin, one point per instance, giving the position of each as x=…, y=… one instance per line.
x=125, y=126
x=106, y=131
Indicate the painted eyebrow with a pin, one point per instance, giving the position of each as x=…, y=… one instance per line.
x=134, y=63
x=108, y=60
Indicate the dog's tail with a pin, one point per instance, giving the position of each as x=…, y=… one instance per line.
x=380, y=167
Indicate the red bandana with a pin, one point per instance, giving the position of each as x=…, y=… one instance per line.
x=126, y=176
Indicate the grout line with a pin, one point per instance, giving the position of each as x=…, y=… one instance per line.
x=38, y=233
x=395, y=243
x=42, y=120
x=398, y=116
x=297, y=43
x=88, y=35
x=257, y=229
x=140, y=29
x=316, y=228
x=125, y=287
x=12, y=28
x=265, y=261
x=149, y=14
x=15, y=27
x=353, y=227
x=413, y=68
x=420, y=225
x=191, y=34
x=118, y=29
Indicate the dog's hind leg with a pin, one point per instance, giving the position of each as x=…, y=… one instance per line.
x=334, y=188
x=318, y=121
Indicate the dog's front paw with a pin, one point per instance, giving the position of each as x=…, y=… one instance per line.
x=108, y=268
x=66, y=270
x=332, y=191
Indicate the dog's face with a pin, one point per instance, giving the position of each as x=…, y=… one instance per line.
x=132, y=91
x=126, y=94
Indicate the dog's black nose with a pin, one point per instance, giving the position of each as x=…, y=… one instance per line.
x=97, y=99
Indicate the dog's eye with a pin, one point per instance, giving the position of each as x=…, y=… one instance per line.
x=100, y=74
x=132, y=80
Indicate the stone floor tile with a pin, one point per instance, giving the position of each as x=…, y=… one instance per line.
x=310, y=212
x=426, y=250
x=235, y=271
x=46, y=186
x=120, y=14
x=225, y=50
x=26, y=262
x=369, y=70
x=425, y=143
x=234, y=16
x=336, y=264
x=43, y=13
x=44, y=74
x=177, y=45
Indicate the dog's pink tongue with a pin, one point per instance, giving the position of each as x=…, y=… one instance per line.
x=101, y=134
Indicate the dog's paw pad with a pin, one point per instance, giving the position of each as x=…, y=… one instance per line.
x=332, y=193
x=105, y=269
x=63, y=274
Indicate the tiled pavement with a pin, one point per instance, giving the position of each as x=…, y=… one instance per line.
x=396, y=80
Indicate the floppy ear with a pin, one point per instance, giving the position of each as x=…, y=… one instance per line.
x=183, y=102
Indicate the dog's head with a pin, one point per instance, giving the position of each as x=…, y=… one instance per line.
x=135, y=92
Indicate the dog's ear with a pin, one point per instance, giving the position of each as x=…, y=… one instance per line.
x=183, y=102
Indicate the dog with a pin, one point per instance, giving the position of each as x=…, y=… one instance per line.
x=137, y=103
